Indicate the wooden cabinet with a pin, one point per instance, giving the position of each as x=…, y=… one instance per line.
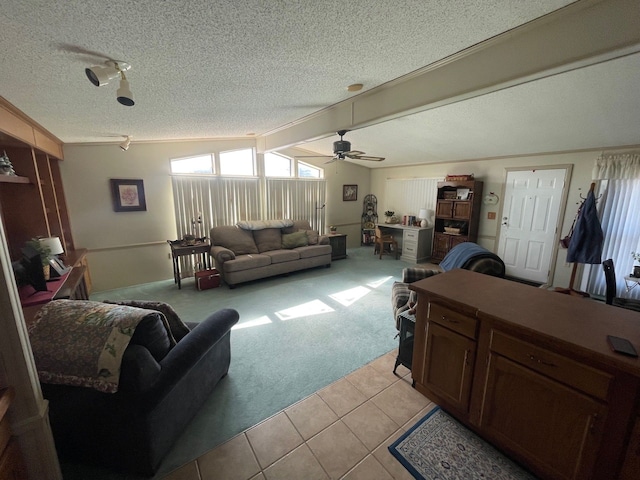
x=444, y=360
x=631, y=464
x=542, y=419
x=32, y=204
x=12, y=465
x=530, y=371
x=457, y=215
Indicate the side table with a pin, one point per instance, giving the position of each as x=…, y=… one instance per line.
x=338, y=242
x=179, y=249
x=405, y=347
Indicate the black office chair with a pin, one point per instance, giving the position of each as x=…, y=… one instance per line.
x=611, y=299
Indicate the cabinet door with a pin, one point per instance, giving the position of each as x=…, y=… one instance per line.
x=444, y=208
x=631, y=464
x=440, y=245
x=456, y=239
x=555, y=427
x=461, y=210
x=448, y=366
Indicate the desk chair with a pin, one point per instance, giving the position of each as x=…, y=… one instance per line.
x=383, y=239
x=611, y=299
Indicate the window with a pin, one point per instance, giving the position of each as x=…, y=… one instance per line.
x=308, y=171
x=202, y=164
x=237, y=163
x=276, y=165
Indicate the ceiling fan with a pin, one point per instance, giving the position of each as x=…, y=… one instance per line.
x=342, y=150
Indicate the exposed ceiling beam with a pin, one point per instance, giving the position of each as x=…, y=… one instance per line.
x=584, y=33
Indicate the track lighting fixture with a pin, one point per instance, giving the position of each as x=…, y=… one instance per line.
x=125, y=145
x=100, y=75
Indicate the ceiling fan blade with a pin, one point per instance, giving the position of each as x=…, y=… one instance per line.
x=334, y=159
x=353, y=152
x=368, y=158
x=313, y=156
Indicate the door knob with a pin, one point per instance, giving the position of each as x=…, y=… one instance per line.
x=504, y=221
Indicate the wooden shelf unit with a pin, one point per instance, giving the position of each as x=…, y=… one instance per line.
x=454, y=212
x=32, y=204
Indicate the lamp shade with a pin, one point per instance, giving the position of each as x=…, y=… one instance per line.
x=422, y=213
x=53, y=244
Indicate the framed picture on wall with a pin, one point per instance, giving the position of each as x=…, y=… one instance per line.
x=128, y=195
x=349, y=193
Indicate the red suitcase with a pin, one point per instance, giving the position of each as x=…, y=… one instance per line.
x=206, y=279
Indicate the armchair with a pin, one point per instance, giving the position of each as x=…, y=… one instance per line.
x=159, y=393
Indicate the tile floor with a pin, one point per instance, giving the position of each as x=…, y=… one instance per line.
x=339, y=432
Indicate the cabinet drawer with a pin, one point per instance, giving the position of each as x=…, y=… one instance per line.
x=453, y=320
x=410, y=235
x=410, y=248
x=582, y=377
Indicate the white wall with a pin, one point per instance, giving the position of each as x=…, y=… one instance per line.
x=129, y=248
x=492, y=172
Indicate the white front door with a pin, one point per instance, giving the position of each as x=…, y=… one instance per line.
x=528, y=228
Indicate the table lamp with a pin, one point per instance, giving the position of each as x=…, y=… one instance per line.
x=423, y=215
x=53, y=244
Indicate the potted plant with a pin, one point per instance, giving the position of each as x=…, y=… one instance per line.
x=388, y=216
x=636, y=268
x=332, y=229
x=45, y=255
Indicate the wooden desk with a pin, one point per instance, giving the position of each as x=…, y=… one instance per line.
x=179, y=249
x=415, y=242
x=531, y=372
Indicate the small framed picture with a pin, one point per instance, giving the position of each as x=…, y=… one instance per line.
x=58, y=267
x=128, y=195
x=349, y=193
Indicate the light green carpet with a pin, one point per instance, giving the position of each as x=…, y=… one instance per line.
x=296, y=335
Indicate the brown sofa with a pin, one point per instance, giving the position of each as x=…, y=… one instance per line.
x=253, y=250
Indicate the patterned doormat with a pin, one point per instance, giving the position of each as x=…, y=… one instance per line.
x=439, y=447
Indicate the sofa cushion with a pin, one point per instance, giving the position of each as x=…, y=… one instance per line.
x=297, y=226
x=245, y=262
x=313, y=251
x=177, y=328
x=268, y=239
x=281, y=256
x=152, y=334
x=293, y=240
x=312, y=236
x=237, y=240
x=262, y=224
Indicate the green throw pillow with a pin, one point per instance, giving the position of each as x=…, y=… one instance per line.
x=293, y=240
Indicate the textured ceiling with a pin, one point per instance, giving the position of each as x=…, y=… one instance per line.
x=212, y=69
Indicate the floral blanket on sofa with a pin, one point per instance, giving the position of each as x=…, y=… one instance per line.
x=81, y=343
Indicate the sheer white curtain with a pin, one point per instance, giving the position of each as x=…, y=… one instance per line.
x=619, y=207
x=226, y=201
x=406, y=196
x=296, y=198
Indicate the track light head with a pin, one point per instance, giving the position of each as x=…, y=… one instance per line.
x=100, y=75
x=125, y=145
x=124, y=95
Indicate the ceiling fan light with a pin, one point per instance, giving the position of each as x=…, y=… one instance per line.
x=124, y=95
x=100, y=76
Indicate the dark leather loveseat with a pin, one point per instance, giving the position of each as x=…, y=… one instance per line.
x=161, y=388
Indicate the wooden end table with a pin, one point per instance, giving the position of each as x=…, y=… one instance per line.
x=338, y=242
x=180, y=248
